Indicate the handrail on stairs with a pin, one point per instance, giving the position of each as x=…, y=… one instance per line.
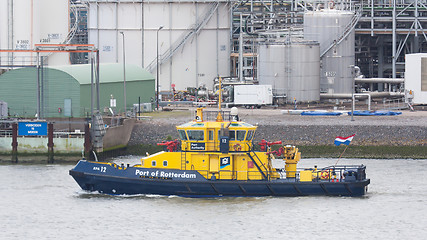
x=195, y=29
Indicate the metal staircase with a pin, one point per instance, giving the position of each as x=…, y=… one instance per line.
x=348, y=29
x=74, y=27
x=185, y=37
x=261, y=167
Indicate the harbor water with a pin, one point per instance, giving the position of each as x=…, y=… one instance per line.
x=44, y=202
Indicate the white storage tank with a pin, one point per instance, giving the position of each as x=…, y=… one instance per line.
x=202, y=56
x=292, y=69
x=326, y=26
x=25, y=23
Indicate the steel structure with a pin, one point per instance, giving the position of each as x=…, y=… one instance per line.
x=78, y=23
x=385, y=30
x=256, y=20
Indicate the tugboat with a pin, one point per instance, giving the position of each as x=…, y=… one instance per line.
x=215, y=157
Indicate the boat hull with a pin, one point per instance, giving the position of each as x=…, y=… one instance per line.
x=133, y=180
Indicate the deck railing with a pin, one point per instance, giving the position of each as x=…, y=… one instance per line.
x=327, y=174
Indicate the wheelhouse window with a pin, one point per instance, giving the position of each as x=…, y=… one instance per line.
x=153, y=163
x=165, y=163
x=211, y=134
x=196, y=135
x=250, y=135
x=232, y=135
x=182, y=135
x=241, y=135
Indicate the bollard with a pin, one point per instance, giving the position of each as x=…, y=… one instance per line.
x=87, y=144
x=50, y=143
x=14, y=142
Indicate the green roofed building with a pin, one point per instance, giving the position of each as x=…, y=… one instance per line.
x=66, y=90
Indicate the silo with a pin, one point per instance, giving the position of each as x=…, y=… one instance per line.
x=327, y=26
x=193, y=43
x=25, y=23
x=291, y=68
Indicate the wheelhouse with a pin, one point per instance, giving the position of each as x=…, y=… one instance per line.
x=214, y=136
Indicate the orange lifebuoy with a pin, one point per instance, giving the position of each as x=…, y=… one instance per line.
x=325, y=174
x=237, y=147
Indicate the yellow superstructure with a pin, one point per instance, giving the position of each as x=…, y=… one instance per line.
x=221, y=149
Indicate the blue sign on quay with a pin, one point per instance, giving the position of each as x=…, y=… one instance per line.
x=32, y=128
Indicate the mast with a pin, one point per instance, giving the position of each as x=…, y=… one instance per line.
x=219, y=116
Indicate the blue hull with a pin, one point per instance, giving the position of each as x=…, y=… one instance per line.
x=132, y=180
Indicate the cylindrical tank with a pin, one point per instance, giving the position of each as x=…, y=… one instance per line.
x=199, y=59
x=327, y=26
x=25, y=23
x=292, y=69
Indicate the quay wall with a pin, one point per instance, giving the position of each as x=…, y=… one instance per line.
x=39, y=145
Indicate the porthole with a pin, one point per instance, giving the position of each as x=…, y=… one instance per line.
x=165, y=163
x=153, y=163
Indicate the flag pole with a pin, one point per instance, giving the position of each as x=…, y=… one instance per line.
x=342, y=154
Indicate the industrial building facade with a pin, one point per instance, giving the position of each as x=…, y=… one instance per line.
x=66, y=90
x=382, y=31
x=194, y=41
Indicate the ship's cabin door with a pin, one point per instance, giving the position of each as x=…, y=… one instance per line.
x=211, y=144
x=213, y=166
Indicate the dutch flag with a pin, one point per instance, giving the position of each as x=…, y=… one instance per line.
x=343, y=140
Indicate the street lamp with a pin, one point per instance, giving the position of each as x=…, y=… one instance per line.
x=124, y=70
x=352, y=91
x=157, y=91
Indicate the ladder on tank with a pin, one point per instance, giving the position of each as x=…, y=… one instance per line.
x=195, y=29
x=348, y=29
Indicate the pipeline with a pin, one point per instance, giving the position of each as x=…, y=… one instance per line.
x=380, y=80
x=364, y=96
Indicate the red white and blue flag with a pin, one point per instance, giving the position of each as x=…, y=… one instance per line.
x=343, y=140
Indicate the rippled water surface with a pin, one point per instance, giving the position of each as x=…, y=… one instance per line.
x=44, y=202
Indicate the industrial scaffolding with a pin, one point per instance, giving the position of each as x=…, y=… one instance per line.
x=385, y=31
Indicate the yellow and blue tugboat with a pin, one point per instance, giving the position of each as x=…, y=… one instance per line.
x=214, y=157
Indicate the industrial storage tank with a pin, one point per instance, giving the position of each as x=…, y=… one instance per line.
x=293, y=69
x=328, y=27
x=25, y=23
x=193, y=38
